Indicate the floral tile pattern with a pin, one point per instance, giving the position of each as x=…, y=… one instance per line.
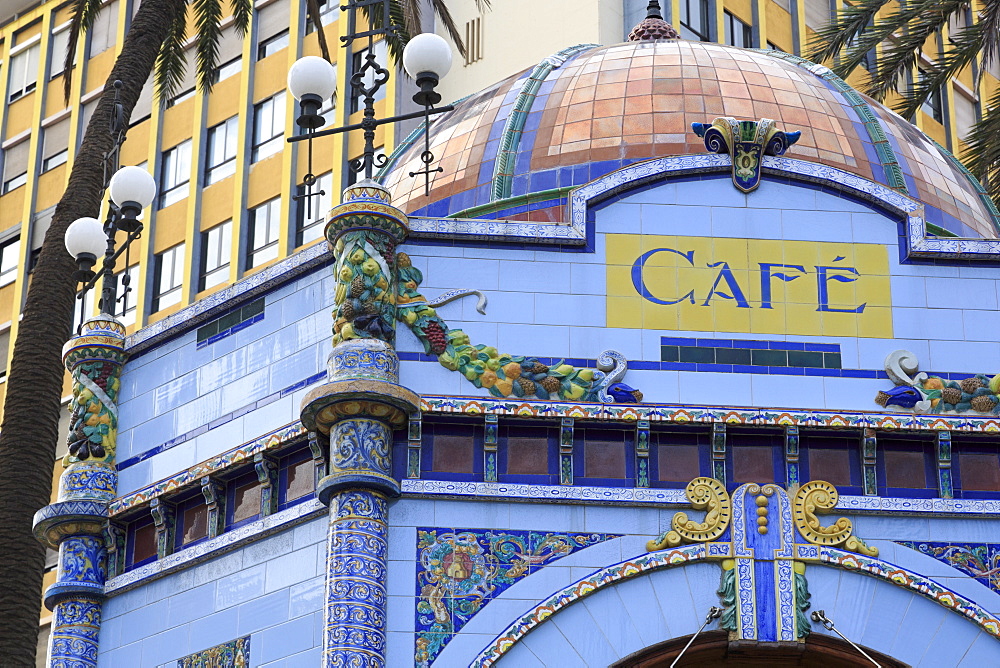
x=459, y=571
x=979, y=560
x=232, y=654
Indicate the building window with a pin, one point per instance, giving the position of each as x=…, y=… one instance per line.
x=328, y=12
x=268, y=127
x=737, y=33
x=311, y=213
x=185, y=94
x=175, y=174
x=357, y=62
x=23, y=71
x=272, y=22
x=192, y=522
x=103, y=31
x=473, y=40
x=298, y=478
x=9, y=252
x=216, y=245
x=125, y=298
x=246, y=500
x=141, y=544
x=933, y=106
x=694, y=19
x=221, y=155
x=272, y=45
x=55, y=143
x=262, y=239
x=60, y=46
x=868, y=62
x=15, y=166
x=329, y=109
x=13, y=182
x=227, y=69
x=168, y=277
x=4, y=352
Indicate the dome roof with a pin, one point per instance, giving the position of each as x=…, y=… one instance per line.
x=590, y=110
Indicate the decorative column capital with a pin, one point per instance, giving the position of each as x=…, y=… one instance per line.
x=362, y=402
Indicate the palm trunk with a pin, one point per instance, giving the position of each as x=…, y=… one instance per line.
x=29, y=435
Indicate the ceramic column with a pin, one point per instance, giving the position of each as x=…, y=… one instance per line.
x=75, y=523
x=358, y=408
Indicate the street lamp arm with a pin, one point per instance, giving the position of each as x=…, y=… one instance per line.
x=108, y=264
x=370, y=123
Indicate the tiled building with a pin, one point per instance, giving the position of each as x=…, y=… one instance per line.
x=629, y=371
x=538, y=522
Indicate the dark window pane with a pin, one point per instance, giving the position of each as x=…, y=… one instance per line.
x=603, y=459
x=678, y=463
x=247, y=502
x=452, y=454
x=528, y=456
x=830, y=464
x=301, y=480
x=144, y=543
x=979, y=472
x=752, y=464
x=905, y=469
x=195, y=523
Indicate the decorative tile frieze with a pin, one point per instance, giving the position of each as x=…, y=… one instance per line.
x=918, y=584
x=459, y=571
x=583, y=587
x=710, y=414
x=232, y=654
x=981, y=561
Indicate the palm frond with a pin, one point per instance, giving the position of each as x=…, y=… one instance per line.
x=170, y=62
x=84, y=13
x=412, y=16
x=207, y=19
x=989, y=19
x=901, y=52
x=963, y=51
x=849, y=24
x=242, y=15
x=982, y=156
x=314, y=17
x=441, y=8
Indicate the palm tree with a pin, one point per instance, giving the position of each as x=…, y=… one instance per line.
x=29, y=432
x=903, y=32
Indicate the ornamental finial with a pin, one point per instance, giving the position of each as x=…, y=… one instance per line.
x=653, y=27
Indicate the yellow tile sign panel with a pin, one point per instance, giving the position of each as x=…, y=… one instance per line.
x=751, y=286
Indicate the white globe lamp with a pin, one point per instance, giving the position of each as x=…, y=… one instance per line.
x=427, y=58
x=311, y=80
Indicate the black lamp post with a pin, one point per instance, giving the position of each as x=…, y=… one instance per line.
x=311, y=80
x=132, y=189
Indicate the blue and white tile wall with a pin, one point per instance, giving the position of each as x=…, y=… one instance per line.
x=548, y=303
x=182, y=404
x=552, y=304
x=271, y=590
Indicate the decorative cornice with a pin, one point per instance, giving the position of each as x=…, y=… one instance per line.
x=214, y=547
x=674, y=498
x=710, y=414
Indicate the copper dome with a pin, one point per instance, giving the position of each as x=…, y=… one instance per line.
x=590, y=110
